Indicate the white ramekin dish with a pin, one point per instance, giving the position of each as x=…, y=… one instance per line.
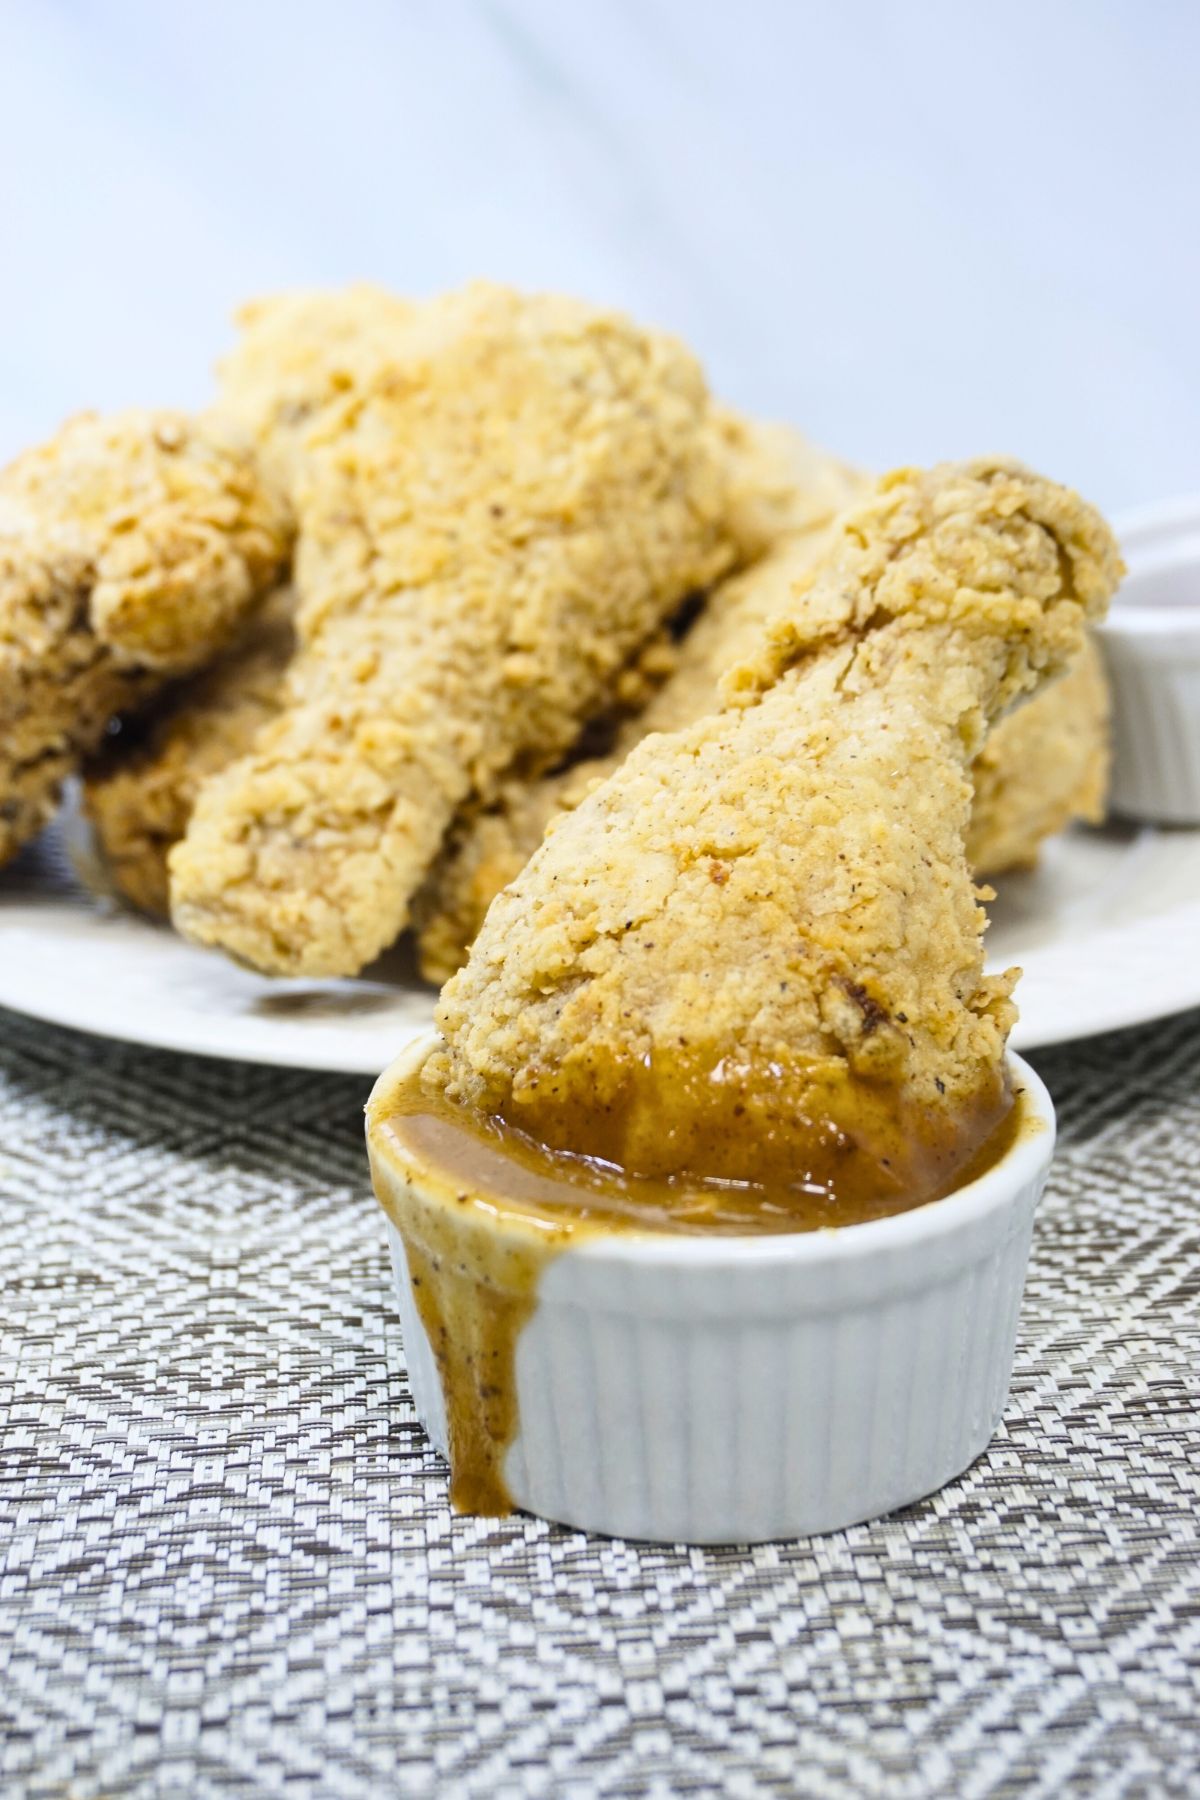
x=735, y=1390
x=1151, y=641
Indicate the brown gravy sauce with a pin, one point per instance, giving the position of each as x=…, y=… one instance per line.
x=482, y=1208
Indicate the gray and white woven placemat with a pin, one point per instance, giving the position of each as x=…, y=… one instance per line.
x=227, y=1565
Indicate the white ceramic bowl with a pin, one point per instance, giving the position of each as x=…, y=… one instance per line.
x=1151, y=640
x=734, y=1390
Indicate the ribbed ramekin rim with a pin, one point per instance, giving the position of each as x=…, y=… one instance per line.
x=1000, y=1187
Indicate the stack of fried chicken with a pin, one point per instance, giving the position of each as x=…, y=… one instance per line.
x=331, y=657
x=754, y=953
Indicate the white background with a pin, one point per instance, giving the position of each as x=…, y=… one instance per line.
x=918, y=230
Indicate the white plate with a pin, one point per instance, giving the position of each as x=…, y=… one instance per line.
x=1107, y=932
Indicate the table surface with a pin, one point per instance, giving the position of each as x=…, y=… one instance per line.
x=227, y=1564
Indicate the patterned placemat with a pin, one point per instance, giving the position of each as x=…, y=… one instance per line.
x=227, y=1565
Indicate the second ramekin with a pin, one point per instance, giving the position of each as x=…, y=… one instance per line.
x=1151, y=641
x=735, y=1390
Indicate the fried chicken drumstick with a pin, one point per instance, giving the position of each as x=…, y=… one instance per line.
x=1042, y=766
x=488, y=849
x=295, y=357
x=131, y=549
x=489, y=528
x=140, y=790
x=757, y=949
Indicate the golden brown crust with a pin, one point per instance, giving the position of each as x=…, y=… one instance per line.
x=1044, y=766
x=486, y=850
x=298, y=353
x=140, y=791
x=131, y=549
x=1041, y=768
x=489, y=528
x=781, y=887
x=780, y=484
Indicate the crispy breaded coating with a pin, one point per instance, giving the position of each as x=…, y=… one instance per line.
x=488, y=530
x=298, y=353
x=780, y=483
x=758, y=942
x=140, y=791
x=783, y=492
x=131, y=549
x=486, y=851
x=1045, y=765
